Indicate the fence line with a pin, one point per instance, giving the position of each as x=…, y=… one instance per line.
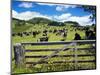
x=19, y=52
x=45, y=62
x=59, y=43
x=40, y=50
x=40, y=56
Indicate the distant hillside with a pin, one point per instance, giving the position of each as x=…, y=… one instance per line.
x=19, y=25
x=72, y=22
x=38, y=20
x=54, y=23
x=18, y=22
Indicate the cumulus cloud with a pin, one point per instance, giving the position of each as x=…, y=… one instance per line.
x=62, y=17
x=82, y=20
x=64, y=7
x=48, y=4
x=26, y=5
x=14, y=13
x=28, y=15
x=59, y=7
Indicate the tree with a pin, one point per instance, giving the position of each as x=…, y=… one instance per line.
x=90, y=9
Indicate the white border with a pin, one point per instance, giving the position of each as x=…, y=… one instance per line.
x=5, y=49
x=67, y=1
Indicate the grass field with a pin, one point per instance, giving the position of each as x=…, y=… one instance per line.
x=52, y=37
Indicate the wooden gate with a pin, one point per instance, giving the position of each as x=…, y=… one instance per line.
x=19, y=52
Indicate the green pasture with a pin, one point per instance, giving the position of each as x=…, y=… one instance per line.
x=52, y=37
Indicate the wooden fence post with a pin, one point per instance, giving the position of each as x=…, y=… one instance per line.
x=75, y=56
x=19, y=55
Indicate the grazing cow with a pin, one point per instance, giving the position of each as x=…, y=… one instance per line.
x=87, y=34
x=38, y=32
x=13, y=34
x=59, y=32
x=43, y=39
x=20, y=34
x=75, y=29
x=77, y=37
x=26, y=33
x=63, y=39
x=54, y=31
x=45, y=31
x=44, y=34
x=91, y=36
x=64, y=34
x=34, y=34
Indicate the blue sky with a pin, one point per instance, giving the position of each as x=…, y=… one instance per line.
x=58, y=12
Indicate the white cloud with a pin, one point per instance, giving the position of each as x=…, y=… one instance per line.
x=49, y=4
x=26, y=5
x=59, y=8
x=14, y=13
x=62, y=17
x=64, y=7
x=27, y=15
x=82, y=20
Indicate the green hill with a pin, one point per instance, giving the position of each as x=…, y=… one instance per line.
x=38, y=20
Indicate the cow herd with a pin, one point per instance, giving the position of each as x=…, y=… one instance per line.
x=89, y=34
x=23, y=34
